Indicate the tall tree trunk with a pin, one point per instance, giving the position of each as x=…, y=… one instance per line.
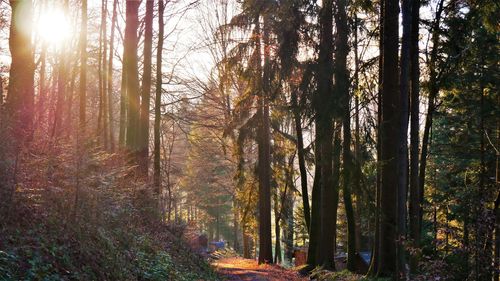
x=372, y=270
x=110, y=76
x=42, y=89
x=323, y=105
x=342, y=89
x=105, y=76
x=337, y=150
x=314, y=230
x=302, y=162
x=357, y=145
x=236, y=229
x=264, y=155
x=143, y=141
x=130, y=68
x=123, y=109
x=277, y=244
x=20, y=93
x=389, y=142
x=496, y=260
x=157, y=137
x=83, y=69
x=414, y=205
x=100, y=75
x=289, y=219
x=61, y=94
x=404, y=85
x=496, y=208
x=246, y=243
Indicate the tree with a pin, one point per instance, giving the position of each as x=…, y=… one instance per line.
x=324, y=107
x=143, y=141
x=130, y=70
x=389, y=142
x=83, y=68
x=342, y=90
x=157, y=139
x=264, y=147
x=404, y=84
x=414, y=200
x=110, y=75
x=20, y=92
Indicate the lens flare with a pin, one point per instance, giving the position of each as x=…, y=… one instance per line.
x=53, y=27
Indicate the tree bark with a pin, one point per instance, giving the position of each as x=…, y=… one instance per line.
x=414, y=205
x=389, y=142
x=264, y=156
x=314, y=231
x=130, y=68
x=323, y=105
x=342, y=89
x=302, y=162
x=372, y=270
x=110, y=77
x=404, y=85
x=83, y=69
x=143, y=141
x=105, y=76
x=357, y=145
x=157, y=137
x=20, y=98
x=61, y=94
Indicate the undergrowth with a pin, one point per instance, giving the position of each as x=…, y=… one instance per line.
x=85, y=216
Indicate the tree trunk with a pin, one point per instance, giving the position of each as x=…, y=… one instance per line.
x=123, y=108
x=357, y=146
x=414, y=205
x=323, y=105
x=83, y=69
x=342, y=89
x=236, y=229
x=130, y=68
x=110, y=77
x=157, y=139
x=277, y=245
x=372, y=270
x=314, y=230
x=302, y=162
x=61, y=93
x=389, y=142
x=496, y=261
x=246, y=243
x=404, y=84
x=143, y=140
x=288, y=231
x=20, y=92
x=264, y=156
x=101, y=76
x=337, y=147
x=105, y=78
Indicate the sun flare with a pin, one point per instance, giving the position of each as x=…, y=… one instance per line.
x=53, y=27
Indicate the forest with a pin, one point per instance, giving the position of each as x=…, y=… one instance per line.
x=250, y=140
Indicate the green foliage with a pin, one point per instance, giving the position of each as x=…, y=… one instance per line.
x=344, y=275
x=115, y=234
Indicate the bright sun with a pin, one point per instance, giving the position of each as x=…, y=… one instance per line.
x=53, y=27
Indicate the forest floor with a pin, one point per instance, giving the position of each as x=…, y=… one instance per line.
x=240, y=269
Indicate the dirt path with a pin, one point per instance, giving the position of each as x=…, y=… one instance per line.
x=239, y=269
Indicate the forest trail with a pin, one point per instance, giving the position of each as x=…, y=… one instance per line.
x=240, y=269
